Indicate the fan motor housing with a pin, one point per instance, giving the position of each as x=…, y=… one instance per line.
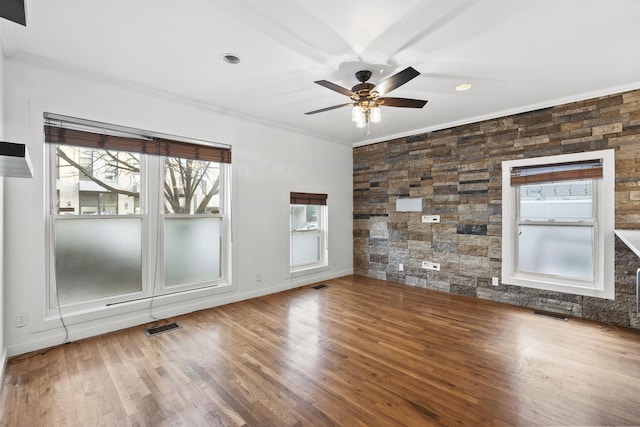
x=363, y=89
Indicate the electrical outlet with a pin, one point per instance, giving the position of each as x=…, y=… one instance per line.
x=400, y=267
x=21, y=320
x=259, y=277
x=430, y=218
x=495, y=281
x=431, y=265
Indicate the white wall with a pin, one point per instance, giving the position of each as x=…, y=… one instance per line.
x=3, y=348
x=268, y=163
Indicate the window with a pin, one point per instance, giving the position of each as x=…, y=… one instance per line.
x=112, y=221
x=307, y=231
x=557, y=223
x=97, y=230
x=192, y=222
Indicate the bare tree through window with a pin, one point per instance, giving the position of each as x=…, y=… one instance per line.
x=103, y=182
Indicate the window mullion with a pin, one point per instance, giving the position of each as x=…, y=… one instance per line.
x=151, y=229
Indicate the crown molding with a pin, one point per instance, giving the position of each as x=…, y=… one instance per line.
x=505, y=113
x=101, y=78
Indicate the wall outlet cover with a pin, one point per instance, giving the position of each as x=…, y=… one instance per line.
x=431, y=265
x=21, y=320
x=430, y=219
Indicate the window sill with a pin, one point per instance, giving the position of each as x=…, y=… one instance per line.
x=301, y=271
x=548, y=284
x=162, y=304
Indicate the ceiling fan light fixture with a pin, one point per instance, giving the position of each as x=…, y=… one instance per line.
x=357, y=114
x=367, y=97
x=374, y=114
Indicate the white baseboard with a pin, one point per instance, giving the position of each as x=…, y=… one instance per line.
x=90, y=329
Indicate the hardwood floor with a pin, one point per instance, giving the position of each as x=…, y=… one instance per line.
x=360, y=352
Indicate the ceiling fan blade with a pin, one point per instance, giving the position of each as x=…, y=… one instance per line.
x=329, y=108
x=335, y=87
x=396, y=81
x=401, y=102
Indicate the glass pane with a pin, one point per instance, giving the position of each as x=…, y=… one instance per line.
x=557, y=250
x=97, y=182
x=305, y=247
x=304, y=217
x=562, y=201
x=96, y=258
x=191, y=250
x=191, y=186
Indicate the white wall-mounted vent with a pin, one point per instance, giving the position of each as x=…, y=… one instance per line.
x=409, y=205
x=14, y=160
x=14, y=10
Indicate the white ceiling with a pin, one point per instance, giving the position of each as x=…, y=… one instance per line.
x=519, y=55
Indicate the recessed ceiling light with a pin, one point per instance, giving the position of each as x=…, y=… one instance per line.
x=463, y=86
x=231, y=58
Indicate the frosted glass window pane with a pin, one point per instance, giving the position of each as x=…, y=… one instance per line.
x=305, y=247
x=191, y=250
x=96, y=258
x=557, y=250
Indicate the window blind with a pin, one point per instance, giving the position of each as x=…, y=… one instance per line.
x=588, y=169
x=106, y=137
x=308, y=199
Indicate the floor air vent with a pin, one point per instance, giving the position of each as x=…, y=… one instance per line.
x=160, y=329
x=320, y=286
x=552, y=315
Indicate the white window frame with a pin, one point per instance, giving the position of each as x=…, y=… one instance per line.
x=152, y=215
x=603, y=285
x=224, y=195
x=323, y=228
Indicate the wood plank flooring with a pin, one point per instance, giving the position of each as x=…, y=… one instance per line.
x=360, y=352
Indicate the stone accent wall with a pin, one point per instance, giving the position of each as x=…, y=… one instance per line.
x=457, y=173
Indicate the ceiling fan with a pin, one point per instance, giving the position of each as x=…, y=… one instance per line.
x=367, y=97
